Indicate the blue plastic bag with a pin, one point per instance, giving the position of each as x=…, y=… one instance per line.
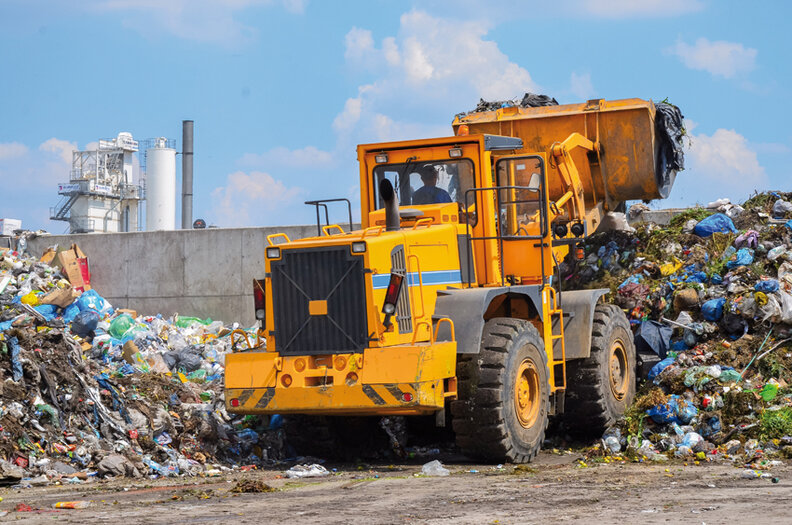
x=743, y=257
x=716, y=279
x=766, y=286
x=677, y=410
x=49, y=311
x=712, y=310
x=697, y=277
x=714, y=223
x=659, y=367
x=70, y=312
x=90, y=300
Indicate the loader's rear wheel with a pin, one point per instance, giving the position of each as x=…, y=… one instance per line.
x=501, y=413
x=601, y=387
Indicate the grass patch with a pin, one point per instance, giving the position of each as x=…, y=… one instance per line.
x=774, y=424
x=693, y=213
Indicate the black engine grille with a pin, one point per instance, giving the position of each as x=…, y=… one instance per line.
x=330, y=274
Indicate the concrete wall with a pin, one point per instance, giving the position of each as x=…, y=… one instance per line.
x=204, y=273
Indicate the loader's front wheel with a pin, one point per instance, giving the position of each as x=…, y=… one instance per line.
x=501, y=413
x=602, y=386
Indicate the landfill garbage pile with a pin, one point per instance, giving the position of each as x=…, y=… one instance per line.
x=87, y=390
x=710, y=301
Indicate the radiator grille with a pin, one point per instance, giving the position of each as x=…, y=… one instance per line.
x=327, y=274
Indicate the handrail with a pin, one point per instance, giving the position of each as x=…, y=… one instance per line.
x=425, y=221
x=326, y=229
x=244, y=334
x=420, y=284
x=271, y=238
x=323, y=204
x=377, y=230
x=437, y=326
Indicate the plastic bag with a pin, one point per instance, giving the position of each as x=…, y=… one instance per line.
x=778, y=308
x=85, y=322
x=676, y=410
x=766, y=286
x=49, y=311
x=749, y=239
x=743, y=257
x=121, y=325
x=308, y=471
x=652, y=336
x=712, y=310
x=659, y=367
x=781, y=208
x=90, y=300
x=714, y=223
x=434, y=468
x=775, y=253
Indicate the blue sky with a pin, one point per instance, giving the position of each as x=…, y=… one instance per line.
x=281, y=91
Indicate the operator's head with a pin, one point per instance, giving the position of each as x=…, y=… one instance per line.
x=428, y=176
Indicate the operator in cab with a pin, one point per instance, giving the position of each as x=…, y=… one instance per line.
x=429, y=193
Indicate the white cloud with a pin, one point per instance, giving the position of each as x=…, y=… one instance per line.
x=719, y=58
x=62, y=148
x=30, y=177
x=723, y=164
x=433, y=67
x=12, y=150
x=581, y=87
x=252, y=199
x=215, y=21
x=306, y=157
x=635, y=8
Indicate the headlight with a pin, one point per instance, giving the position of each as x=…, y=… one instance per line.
x=358, y=247
x=273, y=252
x=260, y=313
x=381, y=158
x=389, y=308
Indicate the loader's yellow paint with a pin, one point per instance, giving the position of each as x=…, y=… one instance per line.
x=588, y=157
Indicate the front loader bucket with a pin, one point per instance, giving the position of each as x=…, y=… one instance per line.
x=632, y=166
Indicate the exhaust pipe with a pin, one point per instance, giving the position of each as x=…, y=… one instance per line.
x=187, y=174
x=392, y=221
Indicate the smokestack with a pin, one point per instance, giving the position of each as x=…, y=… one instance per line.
x=392, y=222
x=187, y=174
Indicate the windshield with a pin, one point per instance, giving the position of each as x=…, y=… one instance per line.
x=421, y=182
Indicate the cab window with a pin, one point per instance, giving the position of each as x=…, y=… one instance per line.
x=435, y=182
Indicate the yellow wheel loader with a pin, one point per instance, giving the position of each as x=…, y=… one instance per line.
x=448, y=296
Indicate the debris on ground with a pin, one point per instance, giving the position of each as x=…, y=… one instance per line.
x=710, y=300
x=248, y=486
x=88, y=390
x=307, y=471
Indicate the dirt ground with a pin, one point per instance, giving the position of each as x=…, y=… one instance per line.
x=555, y=487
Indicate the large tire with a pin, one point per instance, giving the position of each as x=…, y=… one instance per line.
x=501, y=413
x=601, y=387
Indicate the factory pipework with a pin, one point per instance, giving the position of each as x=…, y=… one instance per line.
x=187, y=174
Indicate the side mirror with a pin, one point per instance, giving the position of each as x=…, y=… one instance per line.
x=535, y=183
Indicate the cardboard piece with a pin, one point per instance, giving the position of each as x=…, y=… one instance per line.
x=74, y=266
x=49, y=255
x=132, y=313
x=61, y=297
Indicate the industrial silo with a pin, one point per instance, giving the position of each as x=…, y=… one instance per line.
x=160, y=186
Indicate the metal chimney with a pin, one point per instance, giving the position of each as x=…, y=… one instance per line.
x=187, y=174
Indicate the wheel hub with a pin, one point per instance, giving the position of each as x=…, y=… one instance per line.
x=526, y=393
x=619, y=372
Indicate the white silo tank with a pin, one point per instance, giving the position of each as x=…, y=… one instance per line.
x=160, y=186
